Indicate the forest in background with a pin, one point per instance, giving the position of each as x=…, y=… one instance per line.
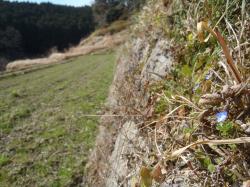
x=30, y=30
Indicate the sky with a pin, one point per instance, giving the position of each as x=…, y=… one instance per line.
x=61, y=2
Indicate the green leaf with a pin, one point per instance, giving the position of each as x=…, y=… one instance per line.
x=3, y=160
x=211, y=168
x=225, y=128
x=233, y=147
x=146, y=178
x=186, y=70
x=207, y=161
x=190, y=37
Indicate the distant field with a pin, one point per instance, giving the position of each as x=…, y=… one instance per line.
x=44, y=136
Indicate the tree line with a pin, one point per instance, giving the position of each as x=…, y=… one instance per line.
x=31, y=30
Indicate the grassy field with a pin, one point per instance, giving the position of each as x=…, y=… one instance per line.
x=44, y=136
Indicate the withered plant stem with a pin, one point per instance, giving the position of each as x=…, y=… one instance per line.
x=233, y=69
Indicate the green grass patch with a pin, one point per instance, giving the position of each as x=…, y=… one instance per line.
x=45, y=135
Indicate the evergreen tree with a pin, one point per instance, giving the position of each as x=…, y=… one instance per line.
x=30, y=30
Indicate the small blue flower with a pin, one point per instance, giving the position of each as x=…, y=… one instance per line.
x=209, y=75
x=221, y=116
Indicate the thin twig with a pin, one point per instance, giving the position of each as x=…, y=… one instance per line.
x=157, y=147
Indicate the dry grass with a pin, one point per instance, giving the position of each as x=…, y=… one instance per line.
x=201, y=69
x=115, y=27
x=178, y=119
x=95, y=43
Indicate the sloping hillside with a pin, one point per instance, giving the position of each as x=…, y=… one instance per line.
x=180, y=98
